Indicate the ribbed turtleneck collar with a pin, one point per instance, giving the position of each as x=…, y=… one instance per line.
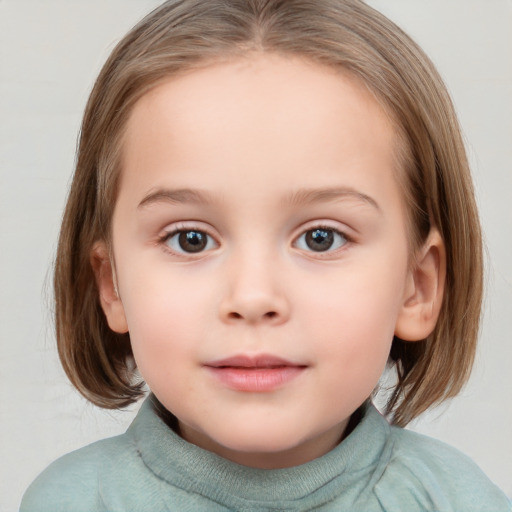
x=346, y=468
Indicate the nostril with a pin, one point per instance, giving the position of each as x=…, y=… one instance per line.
x=237, y=316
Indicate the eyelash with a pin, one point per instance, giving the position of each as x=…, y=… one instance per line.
x=182, y=230
x=325, y=228
x=210, y=240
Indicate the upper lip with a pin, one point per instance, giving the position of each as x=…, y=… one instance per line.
x=249, y=361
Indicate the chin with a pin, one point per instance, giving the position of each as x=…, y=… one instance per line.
x=255, y=439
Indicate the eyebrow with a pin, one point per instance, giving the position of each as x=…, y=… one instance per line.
x=298, y=198
x=320, y=195
x=176, y=196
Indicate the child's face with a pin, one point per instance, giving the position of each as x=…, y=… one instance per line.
x=260, y=246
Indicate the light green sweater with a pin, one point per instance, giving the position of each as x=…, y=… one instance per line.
x=376, y=468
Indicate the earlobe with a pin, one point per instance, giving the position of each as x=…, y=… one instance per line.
x=105, y=280
x=423, y=294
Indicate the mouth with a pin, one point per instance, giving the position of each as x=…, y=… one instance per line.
x=256, y=374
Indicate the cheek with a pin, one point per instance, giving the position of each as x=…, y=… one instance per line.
x=164, y=318
x=356, y=315
x=361, y=302
x=356, y=353
x=359, y=334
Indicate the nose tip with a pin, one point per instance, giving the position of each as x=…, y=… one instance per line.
x=254, y=306
x=255, y=289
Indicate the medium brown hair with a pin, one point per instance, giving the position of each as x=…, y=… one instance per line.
x=345, y=34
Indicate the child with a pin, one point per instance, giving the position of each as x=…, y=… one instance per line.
x=271, y=203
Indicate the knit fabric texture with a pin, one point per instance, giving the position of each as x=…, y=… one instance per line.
x=150, y=468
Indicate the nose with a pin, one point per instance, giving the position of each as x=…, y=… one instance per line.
x=255, y=292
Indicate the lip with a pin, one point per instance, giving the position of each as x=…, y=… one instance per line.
x=257, y=374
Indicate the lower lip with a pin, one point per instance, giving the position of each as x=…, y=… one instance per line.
x=256, y=380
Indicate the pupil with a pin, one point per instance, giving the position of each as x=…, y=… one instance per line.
x=192, y=241
x=319, y=239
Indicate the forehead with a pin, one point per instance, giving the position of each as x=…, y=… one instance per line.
x=278, y=120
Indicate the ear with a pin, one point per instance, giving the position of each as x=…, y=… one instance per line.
x=105, y=280
x=423, y=294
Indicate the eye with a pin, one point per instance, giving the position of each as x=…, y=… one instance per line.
x=190, y=241
x=321, y=240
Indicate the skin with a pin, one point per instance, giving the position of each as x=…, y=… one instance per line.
x=256, y=152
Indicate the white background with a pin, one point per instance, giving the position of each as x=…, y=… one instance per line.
x=50, y=53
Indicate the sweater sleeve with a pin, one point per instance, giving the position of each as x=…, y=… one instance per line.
x=70, y=484
x=431, y=475
x=106, y=476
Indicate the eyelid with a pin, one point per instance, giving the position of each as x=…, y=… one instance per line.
x=181, y=226
x=337, y=226
x=326, y=225
x=178, y=227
